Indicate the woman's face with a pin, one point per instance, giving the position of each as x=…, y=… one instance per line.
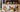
x=7, y=2
x=11, y=3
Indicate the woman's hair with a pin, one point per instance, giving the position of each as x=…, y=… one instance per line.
x=6, y=2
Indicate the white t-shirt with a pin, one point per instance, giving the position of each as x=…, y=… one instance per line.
x=13, y=5
x=7, y=7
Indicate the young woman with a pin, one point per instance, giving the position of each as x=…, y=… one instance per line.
x=11, y=5
x=6, y=7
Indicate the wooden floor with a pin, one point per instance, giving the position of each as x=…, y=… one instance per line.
x=18, y=7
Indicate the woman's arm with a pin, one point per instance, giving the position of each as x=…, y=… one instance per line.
x=4, y=8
